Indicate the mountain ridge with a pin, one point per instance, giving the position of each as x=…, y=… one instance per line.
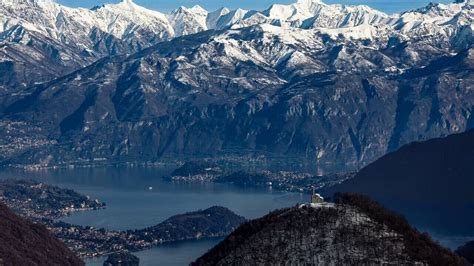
x=25, y=243
x=410, y=180
x=76, y=37
x=354, y=230
x=257, y=86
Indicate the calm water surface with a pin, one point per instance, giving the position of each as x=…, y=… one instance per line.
x=131, y=204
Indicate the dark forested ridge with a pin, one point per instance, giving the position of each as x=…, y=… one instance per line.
x=215, y=221
x=430, y=182
x=353, y=231
x=467, y=251
x=25, y=243
x=122, y=259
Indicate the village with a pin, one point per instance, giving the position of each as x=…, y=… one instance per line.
x=46, y=204
x=279, y=180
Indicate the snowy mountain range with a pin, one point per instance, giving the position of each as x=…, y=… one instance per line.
x=129, y=22
x=47, y=40
x=310, y=80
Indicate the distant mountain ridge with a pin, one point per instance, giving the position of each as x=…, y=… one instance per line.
x=429, y=182
x=288, y=82
x=467, y=251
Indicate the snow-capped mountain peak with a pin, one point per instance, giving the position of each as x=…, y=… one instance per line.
x=126, y=18
x=188, y=20
x=197, y=9
x=301, y=64
x=129, y=8
x=26, y=2
x=214, y=17
x=126, y=26
x=316, y=14
x=129, y=5
x=309, y=2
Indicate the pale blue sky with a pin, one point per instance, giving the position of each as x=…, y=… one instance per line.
x=389, y=6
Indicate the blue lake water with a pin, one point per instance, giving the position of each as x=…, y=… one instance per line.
x=131, y=204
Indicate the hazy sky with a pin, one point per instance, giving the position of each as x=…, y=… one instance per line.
x=389, y=6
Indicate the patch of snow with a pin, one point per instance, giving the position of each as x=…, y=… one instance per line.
x=318, y=205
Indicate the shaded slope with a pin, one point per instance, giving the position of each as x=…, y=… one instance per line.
x=467, y=251
x=215, y=221
x=25, y=243
x=431, y=182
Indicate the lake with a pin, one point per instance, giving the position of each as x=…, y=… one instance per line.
x=139, y=197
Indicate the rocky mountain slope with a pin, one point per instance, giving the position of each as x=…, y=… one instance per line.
x=25, y=243
x=430, y=182
x=41, y=40
x=202, y=96
x=353, y=231
x=290, y=81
